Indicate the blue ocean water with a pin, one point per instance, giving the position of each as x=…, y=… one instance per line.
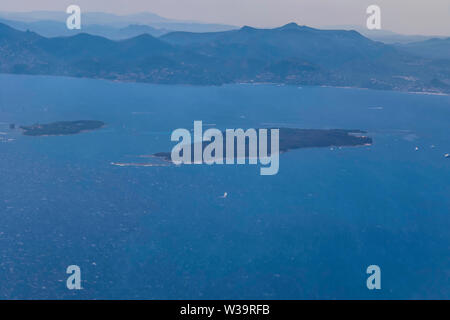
x=308, y=232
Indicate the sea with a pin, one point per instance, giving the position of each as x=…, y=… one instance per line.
x=142, y=229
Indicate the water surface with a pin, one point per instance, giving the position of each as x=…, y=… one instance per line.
x=165, y=232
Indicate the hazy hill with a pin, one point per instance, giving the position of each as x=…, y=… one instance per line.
x=382, y=35
x=290, y=54
x=49, y=28
x=435, y=48
x=299, y=54
x=325, y=47
x=53, y=23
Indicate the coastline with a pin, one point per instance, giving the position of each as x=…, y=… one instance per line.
x=278, y=84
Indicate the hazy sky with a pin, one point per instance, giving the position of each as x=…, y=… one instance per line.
x=404, y=16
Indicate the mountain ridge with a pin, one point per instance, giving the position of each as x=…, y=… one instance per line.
x=52, y=23
x=290, y=54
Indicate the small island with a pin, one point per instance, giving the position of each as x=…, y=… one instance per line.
x=61, y=128
x=291, y=138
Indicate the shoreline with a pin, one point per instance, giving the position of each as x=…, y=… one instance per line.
x=120, y=81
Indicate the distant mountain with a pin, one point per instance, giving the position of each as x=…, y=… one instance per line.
x=296, y=54
x=329, y=48
x=101, y=18
x=49, y=28
x=391, y=37
x=385, y=36
x=134, y=30
x=142, y=58
x=52, y=23
x=432, y=48
x=290, y=54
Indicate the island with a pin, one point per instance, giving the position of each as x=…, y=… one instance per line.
x=292, y=138
x=61, y=127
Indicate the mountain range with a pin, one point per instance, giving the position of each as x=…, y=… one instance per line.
x=290, y=54
x=118, y=27
x=50, y=28
x=115, y=27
